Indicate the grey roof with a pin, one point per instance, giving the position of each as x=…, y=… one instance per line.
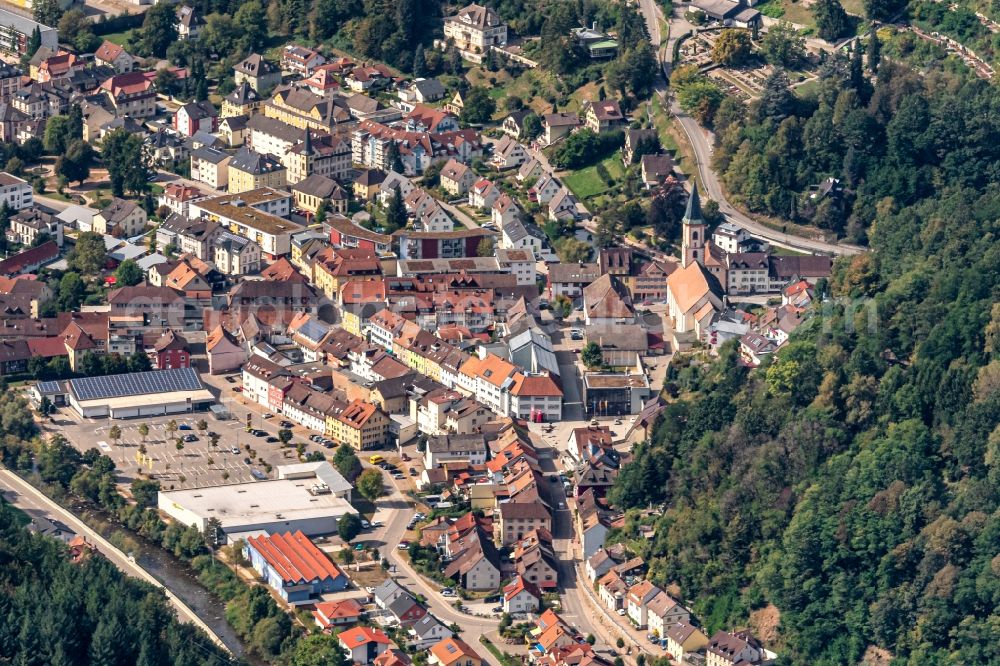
x=428, y=87
x=205, y=153
x=388, y=591
x=275, y=127
x=317, y=185
x=118, y=210
x=232, y=243
x=426, y=625
x=244, y=94
x=693, y=211
x=255, y=65
x=253, y=162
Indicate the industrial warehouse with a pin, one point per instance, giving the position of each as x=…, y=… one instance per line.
x=153, y=393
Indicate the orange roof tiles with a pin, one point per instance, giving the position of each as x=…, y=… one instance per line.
x=294, y=557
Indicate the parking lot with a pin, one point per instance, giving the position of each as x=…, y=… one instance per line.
x=198, y=463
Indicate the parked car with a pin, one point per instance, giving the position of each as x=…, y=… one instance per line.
x=190, y=438
x=235, y=451
x=403, y=545
x=621, y=611
x=247, y=461
x=287, y=424
x=377, y=523
x=272, y=440
x=365, y=524
x=448, y=592
x=269, y=415
x=257, y=474
x=497, y=609
x=238, y=389
x=413, y=471
x=184, y=426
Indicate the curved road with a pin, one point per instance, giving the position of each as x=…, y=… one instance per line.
x=700, y=140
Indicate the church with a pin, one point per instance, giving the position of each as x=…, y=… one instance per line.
x=694, y=293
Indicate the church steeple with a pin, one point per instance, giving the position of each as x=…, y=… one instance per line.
x=693, y=212
x=693, y=232
x=307, y=149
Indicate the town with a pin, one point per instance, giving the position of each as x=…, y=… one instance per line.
x=385, y=332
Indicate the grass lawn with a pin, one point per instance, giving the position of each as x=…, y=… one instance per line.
x=790, y=10
x=807, y=90
x=785, y=252
x=118, y=38
x=586, y=183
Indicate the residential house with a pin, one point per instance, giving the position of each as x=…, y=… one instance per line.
x=427, y=631
x=195, y=117
x=613, y=591
x=422, y=91
x=607, y=302
x=249, y=170
x=662, y=611
x=453, y=652
x=456, y=178
x=366, y=185
x=311, y=192
x=603, y=116
x=570, y=279
x=475, y=29
x=210, y=166
x=258, y=72
x=639, y=142
x=555, y=126
x=513, y=124
x=520, y=596
x=544, y=189
x=114, y=56
x=655, y=169
x=330, y=614
x=483, y=194
x=234, y=130
x=564, y=206
x=171, y=351
x=225, y=354
x=683, y=639
x=363, y=644
x=189, y=22
x=121, y=219
x=235, y=255
x=639, y=595
x=599, y=564
x=519, y=518
x=243, y=101
x=131, y=94
x=177, y=197
x=32, y=224
x=508, y=153
x=428, y=119
x=300, y=60
x=442, y=449
x=738, y=647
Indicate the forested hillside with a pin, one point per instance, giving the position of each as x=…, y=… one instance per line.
x=854, y=483
x=892, y=144
x=55, y=613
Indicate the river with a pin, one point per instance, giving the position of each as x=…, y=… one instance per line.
x=178, y=578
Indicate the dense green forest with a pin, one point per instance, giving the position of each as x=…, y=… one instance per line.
x=66, y=474
x=56, y=613
x=892, y=144
x=854, y=481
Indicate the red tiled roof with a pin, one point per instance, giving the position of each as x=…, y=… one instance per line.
x=294, y=557
x=359, y=636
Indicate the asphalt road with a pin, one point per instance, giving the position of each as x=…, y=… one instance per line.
x=26, y=497
x=472, y=627
x=701, y=143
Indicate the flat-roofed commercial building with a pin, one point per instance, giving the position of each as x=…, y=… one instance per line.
x=281, y=505
x=137, y=394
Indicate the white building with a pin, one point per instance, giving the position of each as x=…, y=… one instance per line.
x=14, y=192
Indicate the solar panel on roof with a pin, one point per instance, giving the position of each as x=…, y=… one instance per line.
x=313, y=330
x=139, y=383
